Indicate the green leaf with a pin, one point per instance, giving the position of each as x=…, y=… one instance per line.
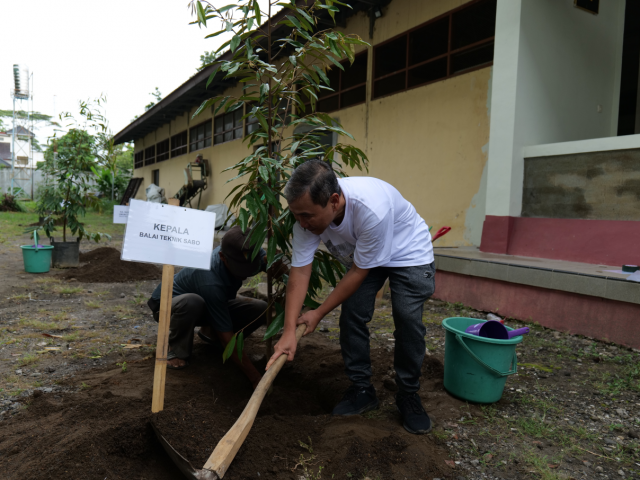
x=264, y=173
x=240, y=345
x=235, y=41
x=276, y=324
x=322, y=75
x=293, y=60
x=243, y=216
x=295, y=22
x=201, y=14
x=206, y=104
x=256, y=12
x=271, y=251
x=329, y=268
x=309, y=302
x=228, y=351
x=212, y=76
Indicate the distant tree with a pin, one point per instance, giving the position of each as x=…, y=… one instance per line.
x=70, y=163
x=155, y=94
x=208, y=58
x=39, y=119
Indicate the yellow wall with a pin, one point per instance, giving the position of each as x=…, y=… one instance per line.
x=429, y=142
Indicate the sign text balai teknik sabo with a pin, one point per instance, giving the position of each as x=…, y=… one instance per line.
x=159, y=227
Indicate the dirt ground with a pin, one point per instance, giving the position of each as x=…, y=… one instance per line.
x=76, y=372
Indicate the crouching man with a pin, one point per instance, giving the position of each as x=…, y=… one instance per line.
x=207, y=298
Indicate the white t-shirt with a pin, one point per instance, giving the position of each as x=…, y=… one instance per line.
x=379, y=229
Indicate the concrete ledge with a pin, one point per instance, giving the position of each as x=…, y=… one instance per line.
x=605, y=144
x=611, y=288
x=592, y=316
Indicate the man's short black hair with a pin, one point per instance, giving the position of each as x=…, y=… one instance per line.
x=315, y=177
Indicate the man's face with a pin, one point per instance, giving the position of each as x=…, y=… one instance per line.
x=313, y=217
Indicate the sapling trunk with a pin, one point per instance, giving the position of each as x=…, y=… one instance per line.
x=269, y=343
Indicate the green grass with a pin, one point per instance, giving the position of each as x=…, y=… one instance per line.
x=13, y=224
x=627, y=378
x=541, y=465
x=28, y=360
x=38, y=325
x=72, y=337
x=92, y=304
x=69, y=290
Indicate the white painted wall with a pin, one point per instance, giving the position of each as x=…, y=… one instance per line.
x=554, y=65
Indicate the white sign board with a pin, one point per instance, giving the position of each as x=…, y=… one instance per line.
x=120, y=213
x=158, y=233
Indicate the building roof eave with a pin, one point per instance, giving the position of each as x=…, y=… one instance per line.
x=195, y=90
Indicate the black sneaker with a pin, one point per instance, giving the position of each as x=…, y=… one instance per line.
x=414, y=418
x=357, y=400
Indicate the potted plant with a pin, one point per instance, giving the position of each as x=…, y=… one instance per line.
x=66, y=195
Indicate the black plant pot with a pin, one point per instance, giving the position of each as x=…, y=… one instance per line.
x=65, y=254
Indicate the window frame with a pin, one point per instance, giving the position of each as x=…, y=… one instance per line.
x=155, y=172
x=339, y=91
x=138, y=159
x=446, y=55
x=192, y=141
x=215, y=134
x=183, y=148
x=165, y=154
x=152, y=159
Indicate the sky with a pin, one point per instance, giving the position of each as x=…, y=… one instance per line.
x=79, y=49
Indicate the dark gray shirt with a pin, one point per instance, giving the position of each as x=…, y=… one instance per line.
x=216, y=287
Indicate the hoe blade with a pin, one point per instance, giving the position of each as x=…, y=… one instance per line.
x=182, y=463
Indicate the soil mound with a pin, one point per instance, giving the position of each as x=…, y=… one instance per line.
x=104, y=265
x=105, y=430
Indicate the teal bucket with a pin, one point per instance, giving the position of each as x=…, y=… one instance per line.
x=476, y=368
x=37, y=258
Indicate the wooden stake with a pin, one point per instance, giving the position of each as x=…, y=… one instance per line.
x=162, y=345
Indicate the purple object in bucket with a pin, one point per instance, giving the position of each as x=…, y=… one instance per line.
x=496, y=330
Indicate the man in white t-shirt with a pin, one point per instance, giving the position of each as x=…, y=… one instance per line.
x=377, y=234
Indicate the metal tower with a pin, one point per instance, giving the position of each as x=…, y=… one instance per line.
x=22, y=167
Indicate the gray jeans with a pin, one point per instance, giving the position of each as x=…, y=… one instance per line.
x=410, y=288
x=187, y=312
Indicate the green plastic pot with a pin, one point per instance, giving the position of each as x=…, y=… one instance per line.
x=37, y=258
x=476, y=368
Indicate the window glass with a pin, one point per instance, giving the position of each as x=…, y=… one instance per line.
x=428, y=72
x=389, y=85
x=138, y=159
x=200, y=136
x=350, y=86
x=150, y=155
x=356, y=73
x=228, y=122
x=328, y=104
x=454, y=43
x=219, y=124
x=162, y=150
x=473, y=24
x=334, y=82
x=472, y=58
x=353, y=96
x=429, y=41
x=391, y=57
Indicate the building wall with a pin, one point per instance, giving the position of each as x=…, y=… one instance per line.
x=429, y=142
x=592, y=185
x=557, y=78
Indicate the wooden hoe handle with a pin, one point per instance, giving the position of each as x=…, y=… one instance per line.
x=229, y=445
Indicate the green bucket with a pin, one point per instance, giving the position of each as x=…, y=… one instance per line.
x=37, y=258
x=476, y=368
